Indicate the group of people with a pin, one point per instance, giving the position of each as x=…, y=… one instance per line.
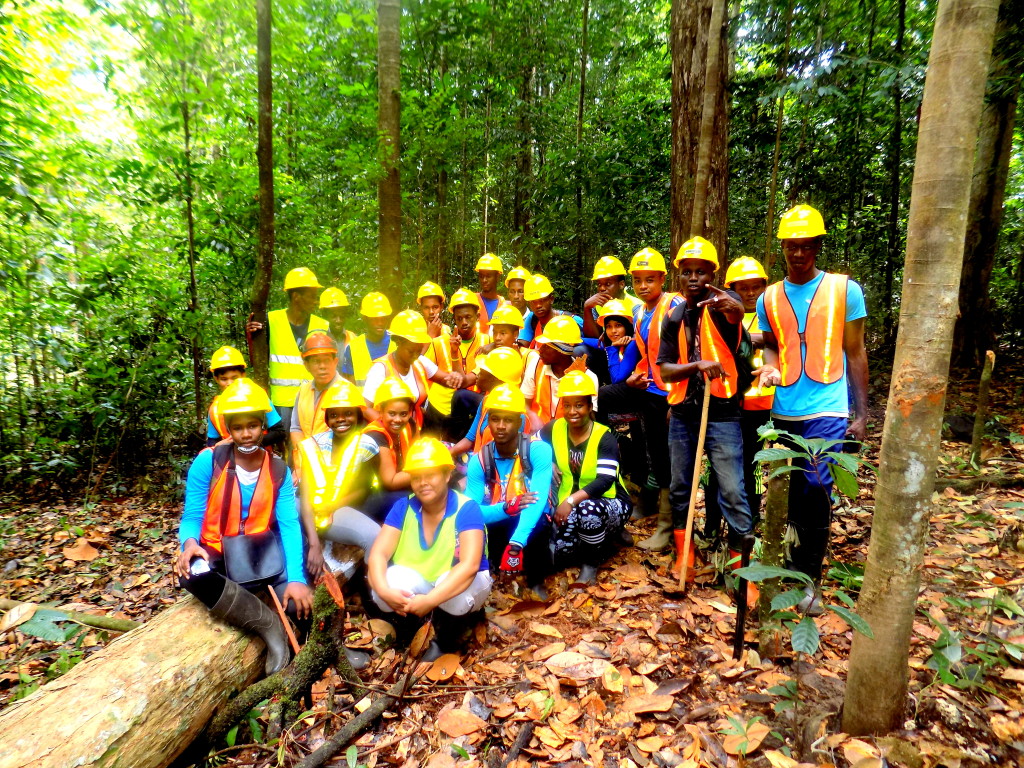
x=503, y=442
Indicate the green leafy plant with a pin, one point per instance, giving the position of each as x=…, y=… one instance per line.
x=842, y=466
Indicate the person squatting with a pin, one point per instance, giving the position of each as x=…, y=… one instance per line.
x=502, y=440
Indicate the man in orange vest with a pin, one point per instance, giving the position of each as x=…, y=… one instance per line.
x=320, y=357
x=813, y=326
x=700, y=347
x=488, y=272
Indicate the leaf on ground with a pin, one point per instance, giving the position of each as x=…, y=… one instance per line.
x=650, y=744
x=648, y=703
x=17, y=615
x=459, y=722
x=746, y=743
x=544, y=629
x=779, y=760
x=576, y=666
x=444, y=667
x=421, y=640
x=81, y=551
x=547, y=651
x=856, y=750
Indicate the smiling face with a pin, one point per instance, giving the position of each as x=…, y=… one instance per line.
x=430, y=486
x=576, y=410
x=375, y=327
x=396, y=414
x=322, y=367
x=504, y=426
x=341, y=420
x=488, y=280
x=648, y=285
x=246, y=429
x=431, y=307
x=466, y=317
x=614, y=329
x=749, y=291
x=336, y=318
x=695, y=275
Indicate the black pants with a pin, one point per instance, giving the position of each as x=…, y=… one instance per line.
x=465, y=403
x=536, y=552
x=753, y=475
x=619, y=407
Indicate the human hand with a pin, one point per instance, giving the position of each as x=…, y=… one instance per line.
x=253, y=326
x=562, y=512
x=419, y=605
x=512, y=559
x=302, y=596
x=597, y=300
x=720, y=301
x=767, y=376
x=315, y=559
x=397, y=599
x=578, y=364
x=519, y=503
x=711, y=368
x=639, y=381
x=622, y=341
x=184, y=559
x=434, y=327
x=454, y=379
x=858, y=429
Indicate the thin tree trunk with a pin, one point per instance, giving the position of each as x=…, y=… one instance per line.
x=876, y=690
x=190, y=222
x=521, y=220
x=892, y=253
x=712, y=75
x=769, y=234
x=389, y=188
x=580, y=238
x=259, y=349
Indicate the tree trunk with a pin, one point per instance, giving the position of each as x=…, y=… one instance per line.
x=690, y=22
x=524, y=162
x=769, y=234
x=973, y=333
x=190, y=223
x=389, y=188
x=876, y=690
x=892, y=252
x=712, y=77
x=140, y=701
x=580, y=238
x=259, y=347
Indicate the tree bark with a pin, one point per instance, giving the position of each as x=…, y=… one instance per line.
x=578, y=296
x=259, y=346
x=389, y=188
x=769, y=234
x=974, y=333
x=190, y=224
x=688, y=40
x=773, y=552
x=140, y=701
x=981, y=407
x=876, y=690
x=712, y=77
x=892, y=252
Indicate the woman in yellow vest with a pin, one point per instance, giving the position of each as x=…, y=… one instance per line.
x=592, y=505
x=430, y=556
x=233, y=488
x=384, y=445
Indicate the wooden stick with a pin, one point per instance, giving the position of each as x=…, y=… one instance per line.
x=694, y=487
x=981, y=409
x=284, y=620
x=109, y=623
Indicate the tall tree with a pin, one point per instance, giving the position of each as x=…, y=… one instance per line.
x=260, y=351
x=954, y=88
x=974, y=332
x=712, y=84
x=389, y=188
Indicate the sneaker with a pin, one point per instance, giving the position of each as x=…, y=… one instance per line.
x=811, y=604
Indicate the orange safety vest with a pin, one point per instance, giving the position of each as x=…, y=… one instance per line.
x=542, y=399
x=310, y=405
x=471, y=353
x=404, y=440
x=649, y=349
x=217, y=418
x=419, y=374
x=756, y=398
x=823, y=332
x=483, y=323
x=712, y=347
x=223, y=516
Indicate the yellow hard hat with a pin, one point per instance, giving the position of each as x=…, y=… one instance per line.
x=229, y=357
x=697, y=248
x=429, y=289
x=744, y=268
x=428, y=453
x=505, y=397
x=516, y=273
x=506, y=314
x=488, y=262
x=410, y=325
x=608, y=266
x=300, y=277
x=614, y=308
x=504, y=364
x=390, y=389
x=647, y=260
x=537, y=287
x=462, y=297
x=576, y=384
x=343, y=394
x=318, y=343
x=561, y=329
x=243, y=396
x=801, y=221
x=375, y=304
x=333, y=298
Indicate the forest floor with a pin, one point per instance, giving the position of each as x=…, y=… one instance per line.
x=618, y=673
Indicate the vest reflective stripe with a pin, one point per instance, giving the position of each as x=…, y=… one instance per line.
x=756, y=398
x=441, y=555
x=361, y=360
x=493, y=488
x=822, y=339
x=439, y=351
x=470, y=355
x=286, y=370
x=419, y=374
x=588, y=469
x=223, y=514
x=310, y=405
x=326, y=480
x=649, y=349
x=483, y=323
x=712, y=347
x=546, y=404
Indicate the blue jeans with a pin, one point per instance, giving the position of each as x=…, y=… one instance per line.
x=724, y=447
x=810, y=493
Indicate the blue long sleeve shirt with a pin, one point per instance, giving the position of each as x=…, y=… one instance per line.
x=619, y=368
x=541, y=459
x=286, y=513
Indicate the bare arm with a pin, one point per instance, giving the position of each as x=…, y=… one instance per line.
x=857, y=360
x=460, y=577
x=390, y=477
x=377, y=568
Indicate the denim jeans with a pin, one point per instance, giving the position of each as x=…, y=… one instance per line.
x=724, y=447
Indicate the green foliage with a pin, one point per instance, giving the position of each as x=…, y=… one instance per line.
x=813, y=451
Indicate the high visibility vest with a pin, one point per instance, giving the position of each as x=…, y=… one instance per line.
x=712, y=347
x=441, y=556
x=483, y=323
x=217, y=418
x=342, y=344
x=472, y=352
x=286, y=369
x=822, y=338
x=419, y=374
x=522, y=467
x=404, y=440
x=588, y=470
x=361, y=360
x=439, y=352
x=310, y=406
x=546, y=404
x=223, y=516
x=327, y=476
x=649, y=347
x=756, y=398
x=537, y=328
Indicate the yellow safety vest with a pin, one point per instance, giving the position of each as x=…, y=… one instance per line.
x=286, y=369
x=327, y=480
x=588, y=470
x=756, y=398
x=437, y=559
x=361, y=360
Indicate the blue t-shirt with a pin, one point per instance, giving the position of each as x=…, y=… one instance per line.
x=528, y=323
x=273, y=419
x=489, y=304
x=642, y=325
x=377, y=349
x=469, y=518
x=541, y=461
x=807, y=399
x=286, y=513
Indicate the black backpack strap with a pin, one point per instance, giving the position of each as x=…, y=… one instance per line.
x=524, y=454
x=486, y=458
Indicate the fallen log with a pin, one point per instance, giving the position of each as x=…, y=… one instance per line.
x=140, y=701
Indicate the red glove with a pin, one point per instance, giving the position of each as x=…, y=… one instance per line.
x=514, y=507
x=512, y=560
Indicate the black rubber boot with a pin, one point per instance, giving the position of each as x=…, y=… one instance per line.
x=357, y=659
x=239, y=607
x=588, y=574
